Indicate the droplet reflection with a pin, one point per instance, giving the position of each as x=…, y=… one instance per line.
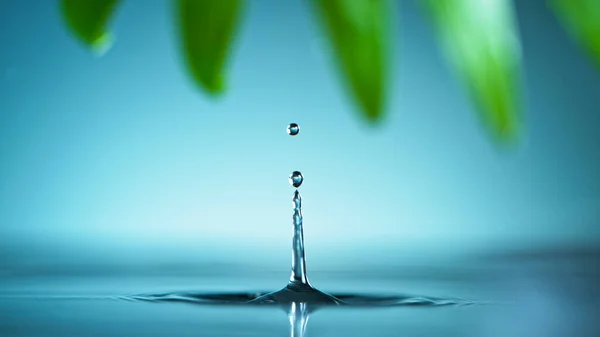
x=293, y=129
x=296, y=179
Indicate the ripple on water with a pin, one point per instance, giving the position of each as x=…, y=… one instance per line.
x=286, y=296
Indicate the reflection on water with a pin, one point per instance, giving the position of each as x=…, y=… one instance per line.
x=298, y=314
x=545, y=295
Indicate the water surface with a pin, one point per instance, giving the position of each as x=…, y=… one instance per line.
x=552, y=293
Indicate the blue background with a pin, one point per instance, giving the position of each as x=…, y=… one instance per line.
x=122, y=159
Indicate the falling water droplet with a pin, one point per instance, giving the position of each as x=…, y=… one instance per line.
x=293, y=129
x=296, y=179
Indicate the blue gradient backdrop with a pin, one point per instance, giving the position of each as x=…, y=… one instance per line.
x=121, y=158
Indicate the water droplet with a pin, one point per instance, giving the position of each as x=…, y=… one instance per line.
x=296, y=179
x=293, y=129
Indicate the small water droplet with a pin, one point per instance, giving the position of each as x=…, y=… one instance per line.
x=296, y=179
x=293, y=129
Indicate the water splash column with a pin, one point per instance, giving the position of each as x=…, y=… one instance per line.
x=298, y=276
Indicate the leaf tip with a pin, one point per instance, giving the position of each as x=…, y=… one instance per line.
x=87, y=22
x=103, y=44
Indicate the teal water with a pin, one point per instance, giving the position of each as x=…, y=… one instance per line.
x=542, y=293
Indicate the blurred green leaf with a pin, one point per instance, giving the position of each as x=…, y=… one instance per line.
x=582, y=19
x=207, y=30
x=480, y=39
x=357, y=30
x=88, y=19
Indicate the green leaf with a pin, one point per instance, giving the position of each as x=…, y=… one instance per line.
x=357, y=31
x=87, y=20
x=582, y=19
x=480, y=39
x=207, y=30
